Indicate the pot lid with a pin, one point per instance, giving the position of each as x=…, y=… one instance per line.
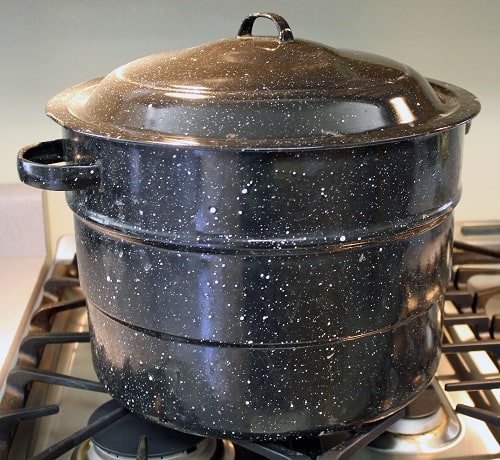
x=258, y=92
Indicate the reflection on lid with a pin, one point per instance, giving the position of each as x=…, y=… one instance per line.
x=402, y=110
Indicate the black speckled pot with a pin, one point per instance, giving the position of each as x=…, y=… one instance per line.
x=262, y=292
x=266, y=294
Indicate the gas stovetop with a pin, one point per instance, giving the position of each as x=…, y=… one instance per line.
x=53, y=407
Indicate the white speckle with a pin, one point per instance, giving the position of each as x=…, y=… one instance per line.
x=244, y=191
x=212, y=210
x=342, y=238
x=108, y=278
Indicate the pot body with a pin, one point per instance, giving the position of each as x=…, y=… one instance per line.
x=327, y=343
x=266, y=294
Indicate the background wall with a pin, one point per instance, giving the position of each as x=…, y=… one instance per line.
x=47, y=46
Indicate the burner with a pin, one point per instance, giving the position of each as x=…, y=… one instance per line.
x=126, y=437
x=429, y=425
x=421, y=416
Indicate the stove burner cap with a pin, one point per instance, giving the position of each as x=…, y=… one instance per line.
x=422, y=415
x=429, y=425
x=426, y=405
x=122, y=437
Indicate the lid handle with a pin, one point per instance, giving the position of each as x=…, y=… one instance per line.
x=284, y=31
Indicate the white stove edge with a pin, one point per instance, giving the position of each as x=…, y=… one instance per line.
x=23, y=265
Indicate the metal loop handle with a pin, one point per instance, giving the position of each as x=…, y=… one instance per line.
x=284, y=31
x=44, y=166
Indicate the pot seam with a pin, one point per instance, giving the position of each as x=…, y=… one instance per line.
x=259, y=345
x=396, y=231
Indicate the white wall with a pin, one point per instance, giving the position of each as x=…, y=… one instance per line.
x=47, y=46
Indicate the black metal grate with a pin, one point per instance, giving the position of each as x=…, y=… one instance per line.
x=470, y=261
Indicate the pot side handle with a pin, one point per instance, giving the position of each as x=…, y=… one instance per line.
x=43, y=166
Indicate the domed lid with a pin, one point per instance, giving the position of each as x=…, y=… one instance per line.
x=257, y=92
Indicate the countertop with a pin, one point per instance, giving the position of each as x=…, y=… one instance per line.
x=23, y=261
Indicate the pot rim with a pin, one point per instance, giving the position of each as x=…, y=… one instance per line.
x=464, y=106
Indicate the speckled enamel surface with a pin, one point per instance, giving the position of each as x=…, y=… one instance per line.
x=267, y=294
x=262, y=92
x=269, y=392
